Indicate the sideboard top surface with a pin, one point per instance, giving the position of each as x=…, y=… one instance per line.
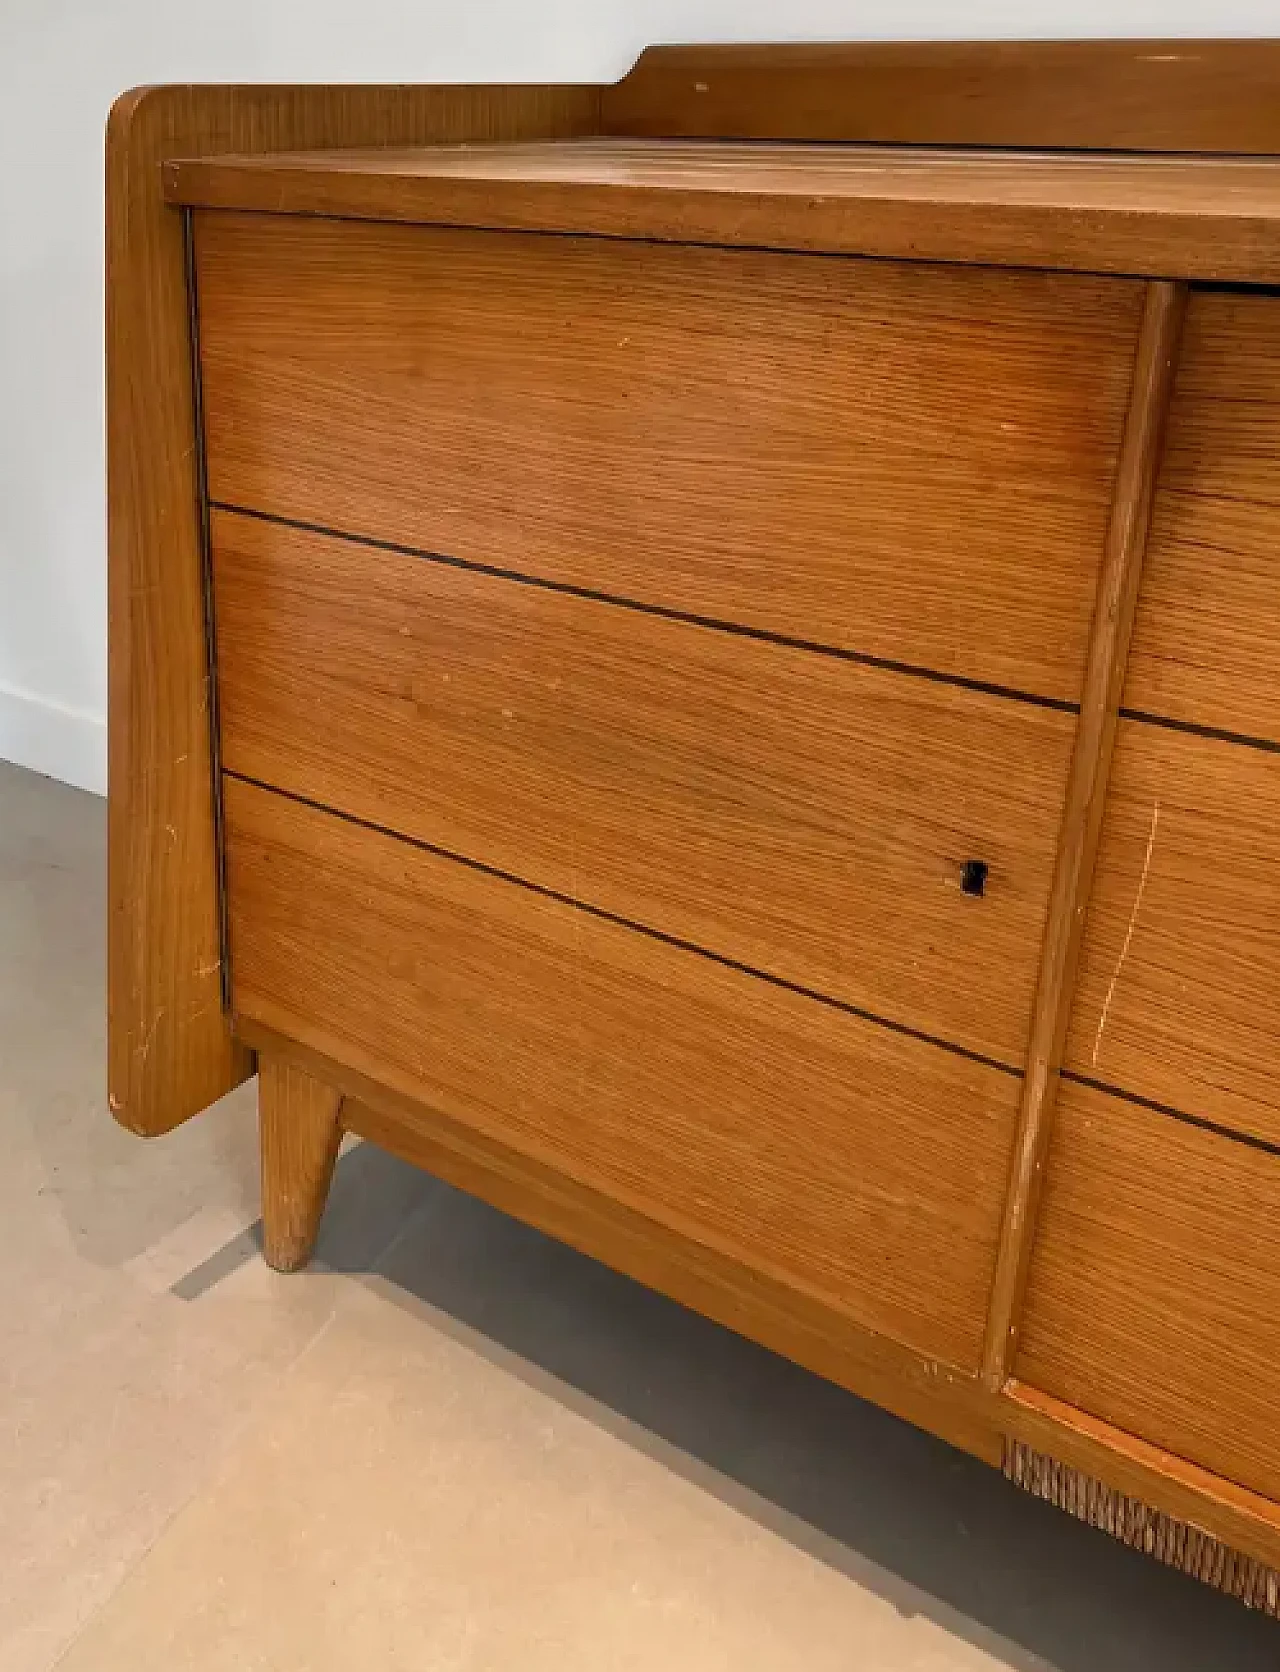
x=1173, y=215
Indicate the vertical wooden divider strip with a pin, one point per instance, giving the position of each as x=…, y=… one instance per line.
x=1154, y=364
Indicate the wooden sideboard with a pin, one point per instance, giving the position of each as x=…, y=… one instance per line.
x=702, y=659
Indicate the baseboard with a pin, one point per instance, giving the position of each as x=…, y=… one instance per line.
x=60, y=742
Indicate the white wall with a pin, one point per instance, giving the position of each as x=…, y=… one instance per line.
x=61, y=64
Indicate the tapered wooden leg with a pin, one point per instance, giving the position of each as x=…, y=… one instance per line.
x=300, y=1134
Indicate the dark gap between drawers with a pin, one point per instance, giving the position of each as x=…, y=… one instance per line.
x=1200, y=1121
x=737, y=629
x=660, y=935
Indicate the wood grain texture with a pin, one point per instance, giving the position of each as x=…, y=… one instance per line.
x=787, y=443
x=1188, y=217
x=170, y=1050
x=1241, y=1519
x=953, y=1406
x=914, y=1387
x=1154, y=1296
x=801, y=814
x=1179, y=992
x=1204, y=645
x=801, y=1179
x=1217, y=96
x=300, y=1134
x=800, y=1141
x=1085, y=804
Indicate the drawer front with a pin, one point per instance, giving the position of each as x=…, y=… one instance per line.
x=1207, y=633
x=860, y=1167
x=913, y=462
x=1179, y=992
x=802, y=814
x=1154, y=1297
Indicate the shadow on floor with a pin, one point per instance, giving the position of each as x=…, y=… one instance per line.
x=924, y=1526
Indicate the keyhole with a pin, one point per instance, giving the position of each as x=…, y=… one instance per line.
x=973, y=876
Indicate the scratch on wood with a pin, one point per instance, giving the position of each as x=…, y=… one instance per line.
x=144, y=1050
x=1128, y=937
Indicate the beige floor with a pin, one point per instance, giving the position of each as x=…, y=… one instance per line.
x=453, y=1444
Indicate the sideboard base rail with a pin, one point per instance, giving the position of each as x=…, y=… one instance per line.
x=1231, y=1537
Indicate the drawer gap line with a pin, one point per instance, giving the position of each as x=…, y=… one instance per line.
x=1202, y=1122
x=1215, y=734
x=606, y=916
x=664, y=612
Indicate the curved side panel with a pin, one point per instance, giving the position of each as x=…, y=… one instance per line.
x=170, y=1050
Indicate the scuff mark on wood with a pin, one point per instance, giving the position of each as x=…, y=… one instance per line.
x=1128, y=936
x=144, y=1050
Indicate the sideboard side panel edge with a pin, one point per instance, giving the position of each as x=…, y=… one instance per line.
x=170, y=1048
